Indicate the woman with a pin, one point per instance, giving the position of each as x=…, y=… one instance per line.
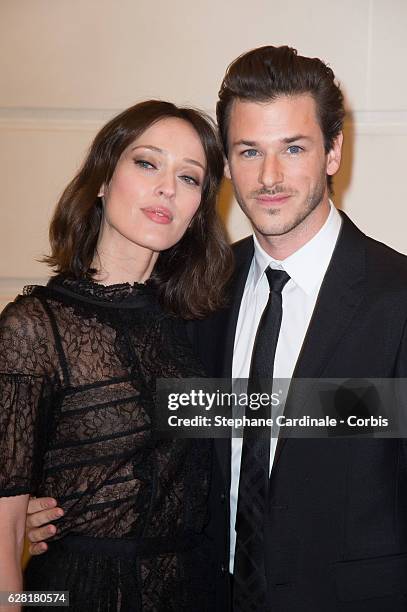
x=136, y=245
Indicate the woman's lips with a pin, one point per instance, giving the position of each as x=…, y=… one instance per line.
x=158, y=214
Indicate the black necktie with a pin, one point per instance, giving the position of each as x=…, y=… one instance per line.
x=249, y=585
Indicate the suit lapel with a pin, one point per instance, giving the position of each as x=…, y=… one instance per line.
x=341, y=293
x=243, y=258
x=243, y=252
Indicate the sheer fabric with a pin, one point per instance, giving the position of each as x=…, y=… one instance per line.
x=78, y=365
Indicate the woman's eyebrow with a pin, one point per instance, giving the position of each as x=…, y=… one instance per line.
x=152, y=147
x=158, y=150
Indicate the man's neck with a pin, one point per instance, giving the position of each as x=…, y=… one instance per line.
x=282, y=246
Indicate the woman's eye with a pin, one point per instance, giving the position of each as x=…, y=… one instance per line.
x=143, y=163
x=293, y=149
x=250, y=153
x=190, y=180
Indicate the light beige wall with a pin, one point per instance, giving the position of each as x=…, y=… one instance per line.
x=67, y=66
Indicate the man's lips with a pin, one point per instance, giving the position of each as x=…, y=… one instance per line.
x=278, y=198
x=158, y=214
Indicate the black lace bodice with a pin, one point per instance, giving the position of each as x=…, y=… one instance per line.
x=78, y=365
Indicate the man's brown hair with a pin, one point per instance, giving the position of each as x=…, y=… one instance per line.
x=266, y=73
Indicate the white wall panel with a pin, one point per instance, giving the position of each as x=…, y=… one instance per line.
x=387, y=72
x=66, y=66
x=106, y=54
x=37, y=159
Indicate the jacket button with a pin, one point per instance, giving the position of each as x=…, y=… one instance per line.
x=222, y=498
x=223, y=569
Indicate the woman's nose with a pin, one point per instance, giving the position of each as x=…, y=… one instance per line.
x=167, y=185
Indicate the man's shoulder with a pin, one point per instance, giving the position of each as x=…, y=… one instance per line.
x=384, y=265
x=387, y=254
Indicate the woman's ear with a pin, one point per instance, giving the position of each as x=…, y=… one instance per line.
x=226, y=169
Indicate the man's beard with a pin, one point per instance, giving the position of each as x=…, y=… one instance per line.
x=312, y=202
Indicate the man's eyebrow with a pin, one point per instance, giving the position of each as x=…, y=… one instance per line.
x=291, y=139
x=246, y=143
x=254, y=143
x=158, y=150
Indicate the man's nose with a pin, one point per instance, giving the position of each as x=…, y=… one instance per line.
x=271, y=171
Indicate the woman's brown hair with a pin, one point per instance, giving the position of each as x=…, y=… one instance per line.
x=189, y=276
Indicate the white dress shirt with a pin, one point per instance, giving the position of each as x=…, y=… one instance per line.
x=306, y=268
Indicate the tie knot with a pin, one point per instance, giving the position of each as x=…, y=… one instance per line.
x=277, y=279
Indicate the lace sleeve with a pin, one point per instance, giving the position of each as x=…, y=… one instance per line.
x=25, y=368
x=169, y=354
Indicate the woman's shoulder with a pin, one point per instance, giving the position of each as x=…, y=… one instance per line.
x=25, y=322
x=26, y=306
x=33, y=307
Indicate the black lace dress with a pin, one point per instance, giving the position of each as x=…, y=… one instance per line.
x=78, y=364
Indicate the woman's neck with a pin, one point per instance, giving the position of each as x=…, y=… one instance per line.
x=115, y=265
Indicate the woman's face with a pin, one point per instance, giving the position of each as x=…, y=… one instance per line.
x=155, y=189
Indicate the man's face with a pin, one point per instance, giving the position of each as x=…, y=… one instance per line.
x=278, y=166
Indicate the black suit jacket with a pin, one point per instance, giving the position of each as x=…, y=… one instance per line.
x=336, y=529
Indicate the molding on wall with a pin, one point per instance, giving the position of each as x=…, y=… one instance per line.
x=90, y=120
x=50, y=125
x=54, y=120
x=378, y=122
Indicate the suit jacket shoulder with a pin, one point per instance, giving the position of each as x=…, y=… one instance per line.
x=387, y=266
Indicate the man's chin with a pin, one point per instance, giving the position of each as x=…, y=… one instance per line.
x=273, y=221
x=277, y=223
x=275, y=229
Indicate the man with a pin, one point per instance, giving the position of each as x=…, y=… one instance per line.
x=335, y=526
x=332, y=533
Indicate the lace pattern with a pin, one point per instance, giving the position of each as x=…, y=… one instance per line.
x=78, y=366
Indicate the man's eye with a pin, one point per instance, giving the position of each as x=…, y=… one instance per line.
x=293, y=149
x=190, y=180
x=250, y=153
x=143, y=163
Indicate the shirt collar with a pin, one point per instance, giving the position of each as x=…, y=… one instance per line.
x=307, y=266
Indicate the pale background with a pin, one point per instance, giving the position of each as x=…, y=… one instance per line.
x=68, y=65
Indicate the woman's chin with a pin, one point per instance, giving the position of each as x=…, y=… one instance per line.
x=161, y=243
